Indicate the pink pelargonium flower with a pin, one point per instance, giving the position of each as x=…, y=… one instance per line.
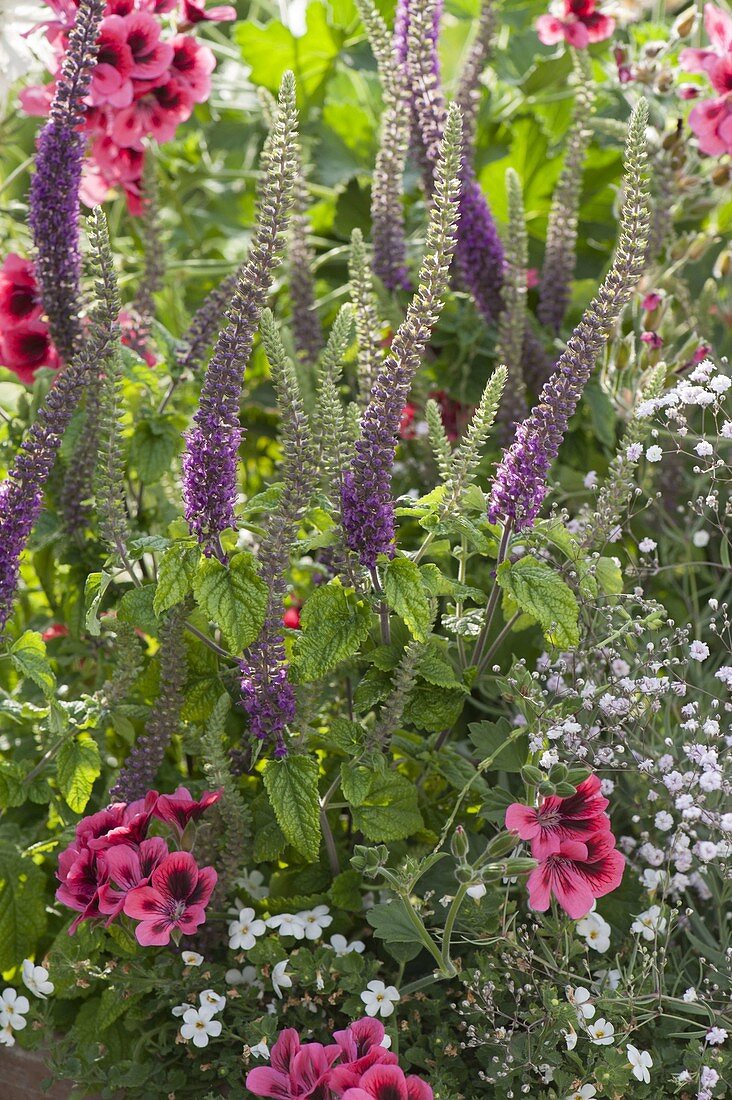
x=195, y=11
x=112, y=75
x=718, y=26
x=193, y=64
x=176, y=899
x=120, y=823
x=361, y=1048
x=158, y=113
x=295, y=1072
x=81, y=874
x=558, y=819
x=127, y=867
x=711, y=120
x=576, y=875
x=384, y=1082
x=19, y=300
x=575, y=21
x=150, y=56
x=179, y=808
x=26, y=347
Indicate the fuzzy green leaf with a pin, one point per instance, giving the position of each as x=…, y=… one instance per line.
x=233, y=597
x=28, y=654
x=389, y=810
x=406, y=596
x=136, y=608
x=292, y=786
x=22, y=907
x=77, y=766
x=540, y=592
x=332, y=627
x=176, y=574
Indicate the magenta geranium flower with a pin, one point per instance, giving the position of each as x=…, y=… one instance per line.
x=179, y=808
x=195, y=11
x=576, y=875
x=111, y=78
x=81, y=875
x=176, y=898
x=711, y=120
x=19, y=298
x=576, y=21
x=126, y=868
x=361, y=1048
x=120, y=823
x=388, y=1083
x=193, y=65
x=559, y=819
x=296, y=1072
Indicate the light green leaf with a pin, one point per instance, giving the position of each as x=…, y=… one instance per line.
x=136, y=608
x=94, y=589
x=391, y=924
x=272, y=49
x=333, y=625
x=406, y=596
x=292, y=786
x=176, y=574
x=28, y=654
x=355, y=782
x=77, y=766
x=154, y=445
x=609, y=576
x=540, y=592
x=22, y=907
x=234, y=597
x=389, y=810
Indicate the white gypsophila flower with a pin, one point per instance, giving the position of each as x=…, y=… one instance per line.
x=199, y=1025
x=716, y=1036
x=210, y=999
x=700, y=539
x=315, y=921
x=13, y=1008
x=646, y=546
x=341, y=946
x=649, y=923
x=690, y=995
x=191, y=958
x=379, y=999
x=595, y=930
x=546, y=1073
x=260, y=1049
x=580, y=999
x=641, y=1062
x=601, y=1032
x=253, y=883
x=590, y=480
x=704, y=449
x=244, y=930
x=654, y=454
x=35, y=978
x=280, y=980
x=477, y=891
x=584, y=1092
x=699, y=651
x=287, y=925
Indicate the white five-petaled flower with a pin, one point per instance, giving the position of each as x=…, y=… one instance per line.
x=260, y=1049
x=314, y=921
x=641, y=1062
x=253, y=883
x=213, y=1000
x=649, y=923
x=246, y=976
x=602, y=1032
x=13, y=1009
x=379, y=999
x=198, y=1024
x=178, y=1010
x=596, y=932
x=35, y=978
x=287, y=925
x=584, y=1092
x=715, y=1036
x=477, y=891
x=341, y=946
x=243, y=932
x=280, y=980
x=191, y=958
x=570, y=1037
x=579, y=998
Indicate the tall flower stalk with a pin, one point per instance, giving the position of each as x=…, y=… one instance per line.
x=21, y=494
x=512, y=322
x=210, y=459
x=520, y=483
x=306, y=330
x=367, y=508
x=54, y=191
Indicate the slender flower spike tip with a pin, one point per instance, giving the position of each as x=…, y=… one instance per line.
x=54, y=191
x=21, y=493
x=512, y=322
x=520, y=483
x=209, y=462
x=366, y=505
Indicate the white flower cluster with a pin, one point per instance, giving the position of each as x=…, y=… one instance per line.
x=14, y=1007
x=200, y=1023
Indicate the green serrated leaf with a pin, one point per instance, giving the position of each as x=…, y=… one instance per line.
x=609, y=576
x=292, y=787
x=391, y=923
x=28, y=654
x=389, y=810
x=345, y=892
x=355, y=782
x=487, y=737
x=234, y=597
x=153, y=447
x=540, y=592
x=434, y=708
x=406, y=596
x=136, y=608
x=94, y=589
x=78, y=764
x=176, y=574
x=333, y=625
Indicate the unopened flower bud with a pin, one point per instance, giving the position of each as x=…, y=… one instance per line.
x=564, y=790
x=459, y=843
x=546, y=789
x=684, y=23
x=558, y=773
x=575, y=776
x=723, y=264
x=532, y=775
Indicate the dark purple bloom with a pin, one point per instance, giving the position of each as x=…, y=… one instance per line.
x=267, y=694
x=54, y=192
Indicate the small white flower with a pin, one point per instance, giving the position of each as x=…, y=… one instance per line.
x=646, y=546
x=287, y=925
x=641, y=1062
x=690, y=995
x=280, y=980
x=35, y=978
x=704, y=449
x=253, y=883
x=579, y=998
x=191, y=958
x=198, y=1024
x=261, y=1049
x=13, y=1009
x=315, y=921
x=596, y=932
x=341, y=946
x=654, y=454
x=585, y=1092
x=246, y=976
x=212, y=1000
x=244, y=931
x=178, y=1010
x=570, y=1037
x=379, y=999
x=601, y=1032
x=700, y=539
x=546, y=1073
x=7, y=1039
x=715, y=1036
x=477, y=892
x=610, y=977
x=699, y=651
x=590, y=480
x=386, y=1042
x=649, y=923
